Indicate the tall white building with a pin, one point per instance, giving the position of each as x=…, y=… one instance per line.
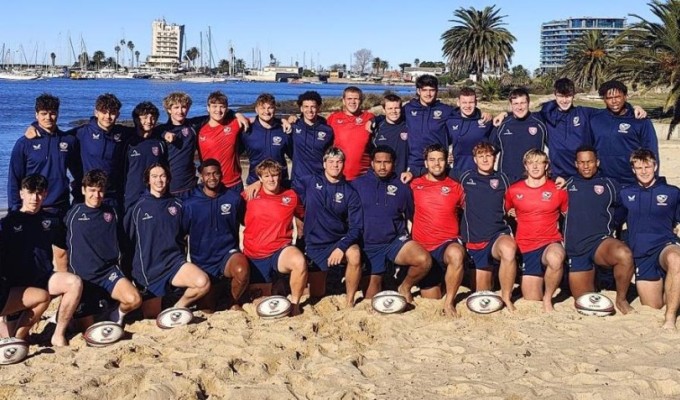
x=167, y=43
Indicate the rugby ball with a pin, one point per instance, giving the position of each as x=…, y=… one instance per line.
x=388, y=302
x=594, y=304
x=12, y=350
x=484, y=302
x=103, y=334
x=173, y=317
x=273, y=307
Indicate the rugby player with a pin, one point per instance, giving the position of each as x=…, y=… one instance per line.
x=391, y=130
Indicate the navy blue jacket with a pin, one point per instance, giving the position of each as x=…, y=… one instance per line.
x=387, y=205
x=154, y=227
x=27, y=241
x=50, y=155
x=593, y=212
x=106, y=151
x=426, y=126
x=92, y=240
x=395, y=136
x=261, y=143
x=213, y=227
x=652, y=214
x=464, y=134
x=484, y=207
x=310, y=142
x=181, y=153
x=567, y=130
x=616, y=136
x=332, y=212
x=139, y=154
x=513, y=138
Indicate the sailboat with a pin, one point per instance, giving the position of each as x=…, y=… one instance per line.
x=206, y=78
x=12, y=74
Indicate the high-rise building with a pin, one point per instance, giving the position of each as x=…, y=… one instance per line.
x=556, y=36
x=167, y=43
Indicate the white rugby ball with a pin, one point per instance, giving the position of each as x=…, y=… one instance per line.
x=12, y=350
x=594, y=304
x=274, y=307
x=173, y=317
x=103, y=334
x=484, y=302
x=388, y=302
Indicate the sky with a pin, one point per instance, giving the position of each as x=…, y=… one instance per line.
x=311, y=33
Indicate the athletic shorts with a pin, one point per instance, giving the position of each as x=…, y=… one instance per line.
x=531, y=264
x=436, y=274
x=319, y=257
x=584, y=262
x=377, y=256
x=217, y=270
x=40, y=282
x=4, y=293
x=482, y=259
x=160, y=286
x=265, y=270
x=648, y=268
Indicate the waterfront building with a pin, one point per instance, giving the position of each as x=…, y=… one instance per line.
x=167, y=43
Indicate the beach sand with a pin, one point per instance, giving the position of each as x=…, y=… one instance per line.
x=334, y=353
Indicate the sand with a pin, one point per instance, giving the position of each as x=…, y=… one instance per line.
x=334, y=353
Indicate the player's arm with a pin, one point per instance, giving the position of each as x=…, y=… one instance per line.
x=17, y=171
x=60, y=259
x=355, y=219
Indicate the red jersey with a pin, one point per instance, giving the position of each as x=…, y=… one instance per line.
x=221, y=143
x=352, y=138
x=435, y=220
x=537, y=212
x=269, y=222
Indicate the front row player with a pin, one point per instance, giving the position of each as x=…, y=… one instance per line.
x=159, y=263
x=93, y=251
x=653, y=212
x=268, y=234
x=537, y=204
x=589, y=228
x=31, y=238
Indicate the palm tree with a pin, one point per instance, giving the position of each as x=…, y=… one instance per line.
x=375, y=64
x=416, y=62
x=478, y=42
x=403, y=66
x=239, y=66
x=131, y=46
x=654, y=56
x=384, y=64
x=587, y=60
x=53, y=56
x=191, y=55
x=117, y=50
x=98, y=57
x=137, y=53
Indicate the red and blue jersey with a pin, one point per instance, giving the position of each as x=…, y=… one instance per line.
x=221, y=142
x=435, y=219
x=352, y=138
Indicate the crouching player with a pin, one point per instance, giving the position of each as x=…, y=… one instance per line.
x=268, y=235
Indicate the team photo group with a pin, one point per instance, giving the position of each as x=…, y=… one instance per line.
x=158, y=220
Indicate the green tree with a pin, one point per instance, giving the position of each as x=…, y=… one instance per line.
x=53, y=56
x=520, y=76
x=403, y=66
x=137, y=54
x=588, y=59
x=384, y=64
x=416, y=62
x=239, y=66
x=131, y=46
x=478, y=42
x=375, y=64
x=117, y=50
x=223, y=66
x=98, y=57
x=191, y=55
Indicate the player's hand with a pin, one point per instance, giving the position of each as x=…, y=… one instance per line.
x=499, y=118
x=31, y=132
x=300, y=226
x=486, y=117
x=512, y=213
x=369, y=125
x=286, y=126
x=169, y=137
x=252, y=190
x=639, y=112
x=292, y=118
x=560, y=182
x=243, y=121
x=336, y=257
x=406, y=177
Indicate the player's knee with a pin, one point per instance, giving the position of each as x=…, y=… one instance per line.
x=73, y=283
x=353, y=255
x=423, y=260
x=623, y=254
x=132, y=299
x=508, y=250
x=455, y=256
x=202, y=282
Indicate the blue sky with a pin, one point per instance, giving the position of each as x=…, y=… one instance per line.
x=320, y=32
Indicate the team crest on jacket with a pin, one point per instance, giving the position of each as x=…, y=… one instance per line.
x=446, y=190
x=95, y=136
x=623, y=127
x=185, y=132
x=533, y=130
x=227, y=130
x=403, y=135
x=391, y=190
x=454, y=127
x=225, y=209
x=36, y=146
x=599, y=189
x=285, y=200
x=320, y=135
x=108, y=217
x=155, y=151
x=414, y=113
x=298, y=130
x=661, y=200
x=46, y=223
x=437, y=114
x=339, y=197
x=117, y=137
x=63, y=146
x=481, y=123
x=172, y=210
x=276, y=141
x=358, y=120
x=493, y=183
x=546, y=196
x=631, y=198
x=576, y=121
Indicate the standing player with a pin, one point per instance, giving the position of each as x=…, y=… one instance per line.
x=31, y=239
x=333, y=227
x=212, y=217
x=517, y=134
x=391, y=130
x=387, y=205
x=153, y=224
x=653, y=212
x=349, y=128
x=268, y=234
x=536, y=203
x=438, y=200
x=589, y=229
x=93, y=251
x=487, y=235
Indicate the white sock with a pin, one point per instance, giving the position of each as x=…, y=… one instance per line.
x=117, y=316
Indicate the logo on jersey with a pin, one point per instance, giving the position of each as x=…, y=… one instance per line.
x=46, y=223
x=185, y=132
x=470, y=182
x=321, y=136
x=572, y=188
x=146, y=216
x=661, y=200
x=172, y=210
x=83, y=217
x=493, y=183
x=95, y=136
x=481, y=123
x=454, y=127
x=507, y=132
x=533, y=130
x=391, y=190
x=403, y=135
x=318, y=186
x=285, y=200
x=414, y=113
x=117, y=137
x=576, y=121
x=135, y=153
x=631, y=198
x=419, y=187
x=19, y=228
x=519, y=196
x=437, y=114
x=623, y=127
x=225, y=209
x=546, y=196
x=446, y=190
x=63, y=146
x=339, y=197
x=113, y=276
x=599, y=189
x=381, y=138
x=403, y=238
x=358, y=120
x=108, y=217
x=276, y=141
x=36, y=147
x=202, y=138
x=155, y=151
x=298, y=130
x=227, y=130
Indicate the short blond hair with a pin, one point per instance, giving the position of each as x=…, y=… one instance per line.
x=173, y=98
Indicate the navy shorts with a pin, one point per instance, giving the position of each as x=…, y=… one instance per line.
x=217, y=270
x=161, y=285
x=531, y=264
x=319, y=257
x=436, y=274
x=377, y=256
x=648, y=268
x=584, y=262
x=482, y=259
x=265, y=270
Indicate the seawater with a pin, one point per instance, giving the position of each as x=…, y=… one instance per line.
x=17, y=101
